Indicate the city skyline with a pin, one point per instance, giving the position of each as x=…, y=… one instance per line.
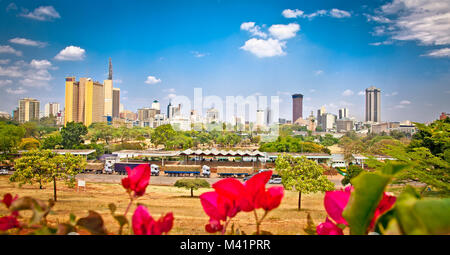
x=272, y=49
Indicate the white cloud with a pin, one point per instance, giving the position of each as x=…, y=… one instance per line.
x=425, y=21
x=264, y=48
x=255, y=30
x=399, y=106
x=308, y=99
x=11, y=71
x=318, y=72
x=10, y=50
x=288, y=13
x=5, y=82
x=4, y=61
x=312, y=90
x=198, y=54
x=11, y=6
x=71, y=53
x=405, y=102
x=378, y=19
x=42, y=13
x=28, y=42
x=348, y=92
x=361, y=93
x=17, y=91
x=40, y=64
x=171, y=96
x=283, y=32
x=439, y=53
x=336, y=13
x=152, y=80
x=387, y=42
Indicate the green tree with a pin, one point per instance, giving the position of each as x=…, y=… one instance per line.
x=423, y=167
x=101, y=131
x=10, y=137
x=29, y=143
x=302, y=175
x=352, y=172
x=43, y=166
x=52, y=141
x=31, y=129
x=192, y=184
x=162, y=134
x=72, y=134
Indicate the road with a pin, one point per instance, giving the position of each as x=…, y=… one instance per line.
x=166, y=180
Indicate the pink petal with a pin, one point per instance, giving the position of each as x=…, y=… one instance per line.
x=142, y=221
x=328, y=228
x=335, y=203
x=210, y=205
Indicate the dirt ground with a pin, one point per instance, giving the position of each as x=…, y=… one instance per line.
x=159, y=199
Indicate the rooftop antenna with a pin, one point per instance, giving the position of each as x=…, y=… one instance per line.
x=110, y=70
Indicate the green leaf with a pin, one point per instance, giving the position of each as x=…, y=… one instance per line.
x=369, y=188
x=39, y=208
x=93, y=223
x=420, y=217
x=44, y=231
x=392, y=168
x=72, y=219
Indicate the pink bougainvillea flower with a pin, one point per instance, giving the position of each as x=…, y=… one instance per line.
x=137, y=180
x=254, y=188
x=335, y=203
x=385, y=205
x=213, y=226
x=8, y=222
x=270, y=199
x=8, y=199
x=328, y=228
x=144, y=224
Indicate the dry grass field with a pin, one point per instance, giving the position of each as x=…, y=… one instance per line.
x=188, y=212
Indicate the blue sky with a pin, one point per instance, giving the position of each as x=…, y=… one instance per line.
x=329, y=51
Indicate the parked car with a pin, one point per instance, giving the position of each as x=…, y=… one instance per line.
x=275, y=180
x=3, y=171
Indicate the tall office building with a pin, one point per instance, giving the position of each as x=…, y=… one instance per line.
x=28, y=110
x=51, y=109
x=373, y=102
x=116, y=103
x=156, y=105
x=108, y=92
x=297, y=107
x=85, y=101
x=343, y=113
x=260, y=118
x=320, y=112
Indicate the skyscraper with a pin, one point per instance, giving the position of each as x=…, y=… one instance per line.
x=297, y=107
x=116, y=103
x=343, y=113
x=373, y=102
x=28, y=110
x=85, y=101
x=108, y=92
x=51, y=109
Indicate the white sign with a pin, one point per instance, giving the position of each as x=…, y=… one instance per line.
x=81, y=183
